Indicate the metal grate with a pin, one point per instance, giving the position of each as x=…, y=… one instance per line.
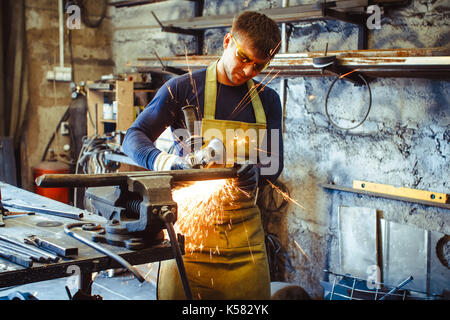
x=347, y=287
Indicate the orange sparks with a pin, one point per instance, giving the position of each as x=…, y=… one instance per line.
x=285, y=195
x=200, y=206
x=341, y=76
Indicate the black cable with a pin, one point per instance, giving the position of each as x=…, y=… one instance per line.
x=368, y=109
x=179, y=260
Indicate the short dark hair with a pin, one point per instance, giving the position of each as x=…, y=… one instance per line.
x=260, y=30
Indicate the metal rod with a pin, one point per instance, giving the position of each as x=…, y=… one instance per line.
x=20, y=250
x=19, y=259
x=59, y=213
x=113, y=179
x=398, y=287
x=29, y=248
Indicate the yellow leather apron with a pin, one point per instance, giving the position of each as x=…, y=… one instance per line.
x=232, y=261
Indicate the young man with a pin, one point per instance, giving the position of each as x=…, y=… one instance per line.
x=224, y=96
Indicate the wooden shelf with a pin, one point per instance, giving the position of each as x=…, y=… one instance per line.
x=125, y=108
x=352, y=11
x=409, y=63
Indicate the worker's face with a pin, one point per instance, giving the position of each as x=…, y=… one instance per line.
x=240, y=62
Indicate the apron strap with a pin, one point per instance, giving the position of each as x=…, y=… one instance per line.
x=209, y=109
x=211, y=95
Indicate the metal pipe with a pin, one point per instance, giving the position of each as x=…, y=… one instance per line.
x=114, y=179
x=398, y=287
x=61, y=33
x=17, y=243
x=59, y=213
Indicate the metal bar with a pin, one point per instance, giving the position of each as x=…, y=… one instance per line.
x=113, y=179
x=398, y=287
x=19, y=259
x=27, y=247
x=32, y=255
x=53, y=247
x=59, y=213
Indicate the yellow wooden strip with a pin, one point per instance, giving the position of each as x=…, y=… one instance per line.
x=401, y=191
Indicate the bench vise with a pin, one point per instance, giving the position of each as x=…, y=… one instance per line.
x=137, y=205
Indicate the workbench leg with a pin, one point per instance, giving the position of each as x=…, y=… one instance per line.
x=85, y=283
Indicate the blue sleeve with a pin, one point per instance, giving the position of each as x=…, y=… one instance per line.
x=159, y=114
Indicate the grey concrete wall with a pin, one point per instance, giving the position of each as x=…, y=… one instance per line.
x=405, y=140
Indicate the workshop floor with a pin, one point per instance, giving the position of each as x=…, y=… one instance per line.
x=120, y=286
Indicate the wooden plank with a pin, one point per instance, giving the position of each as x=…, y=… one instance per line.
x=125, y=105
x=401, y=191
x=387, y=196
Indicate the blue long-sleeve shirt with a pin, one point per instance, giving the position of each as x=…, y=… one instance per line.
x=165, y=110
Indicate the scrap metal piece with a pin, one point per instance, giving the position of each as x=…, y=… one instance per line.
x=357, y=240
x=53, y=247
x=405, y=252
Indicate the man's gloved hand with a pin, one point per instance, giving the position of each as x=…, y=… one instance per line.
x=248, y=177
x=165, y=161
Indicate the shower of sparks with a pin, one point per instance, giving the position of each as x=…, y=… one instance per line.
x=285, y=195
x=200, y=207
x=302, y=251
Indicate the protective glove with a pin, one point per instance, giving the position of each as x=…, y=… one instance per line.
x=165, y=161
x=248, y=177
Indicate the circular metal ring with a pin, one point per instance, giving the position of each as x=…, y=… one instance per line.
x=368, y=108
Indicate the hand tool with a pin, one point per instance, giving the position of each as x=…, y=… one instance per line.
x=52, y=247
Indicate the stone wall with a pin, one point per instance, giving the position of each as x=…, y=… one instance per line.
x=405, y=141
